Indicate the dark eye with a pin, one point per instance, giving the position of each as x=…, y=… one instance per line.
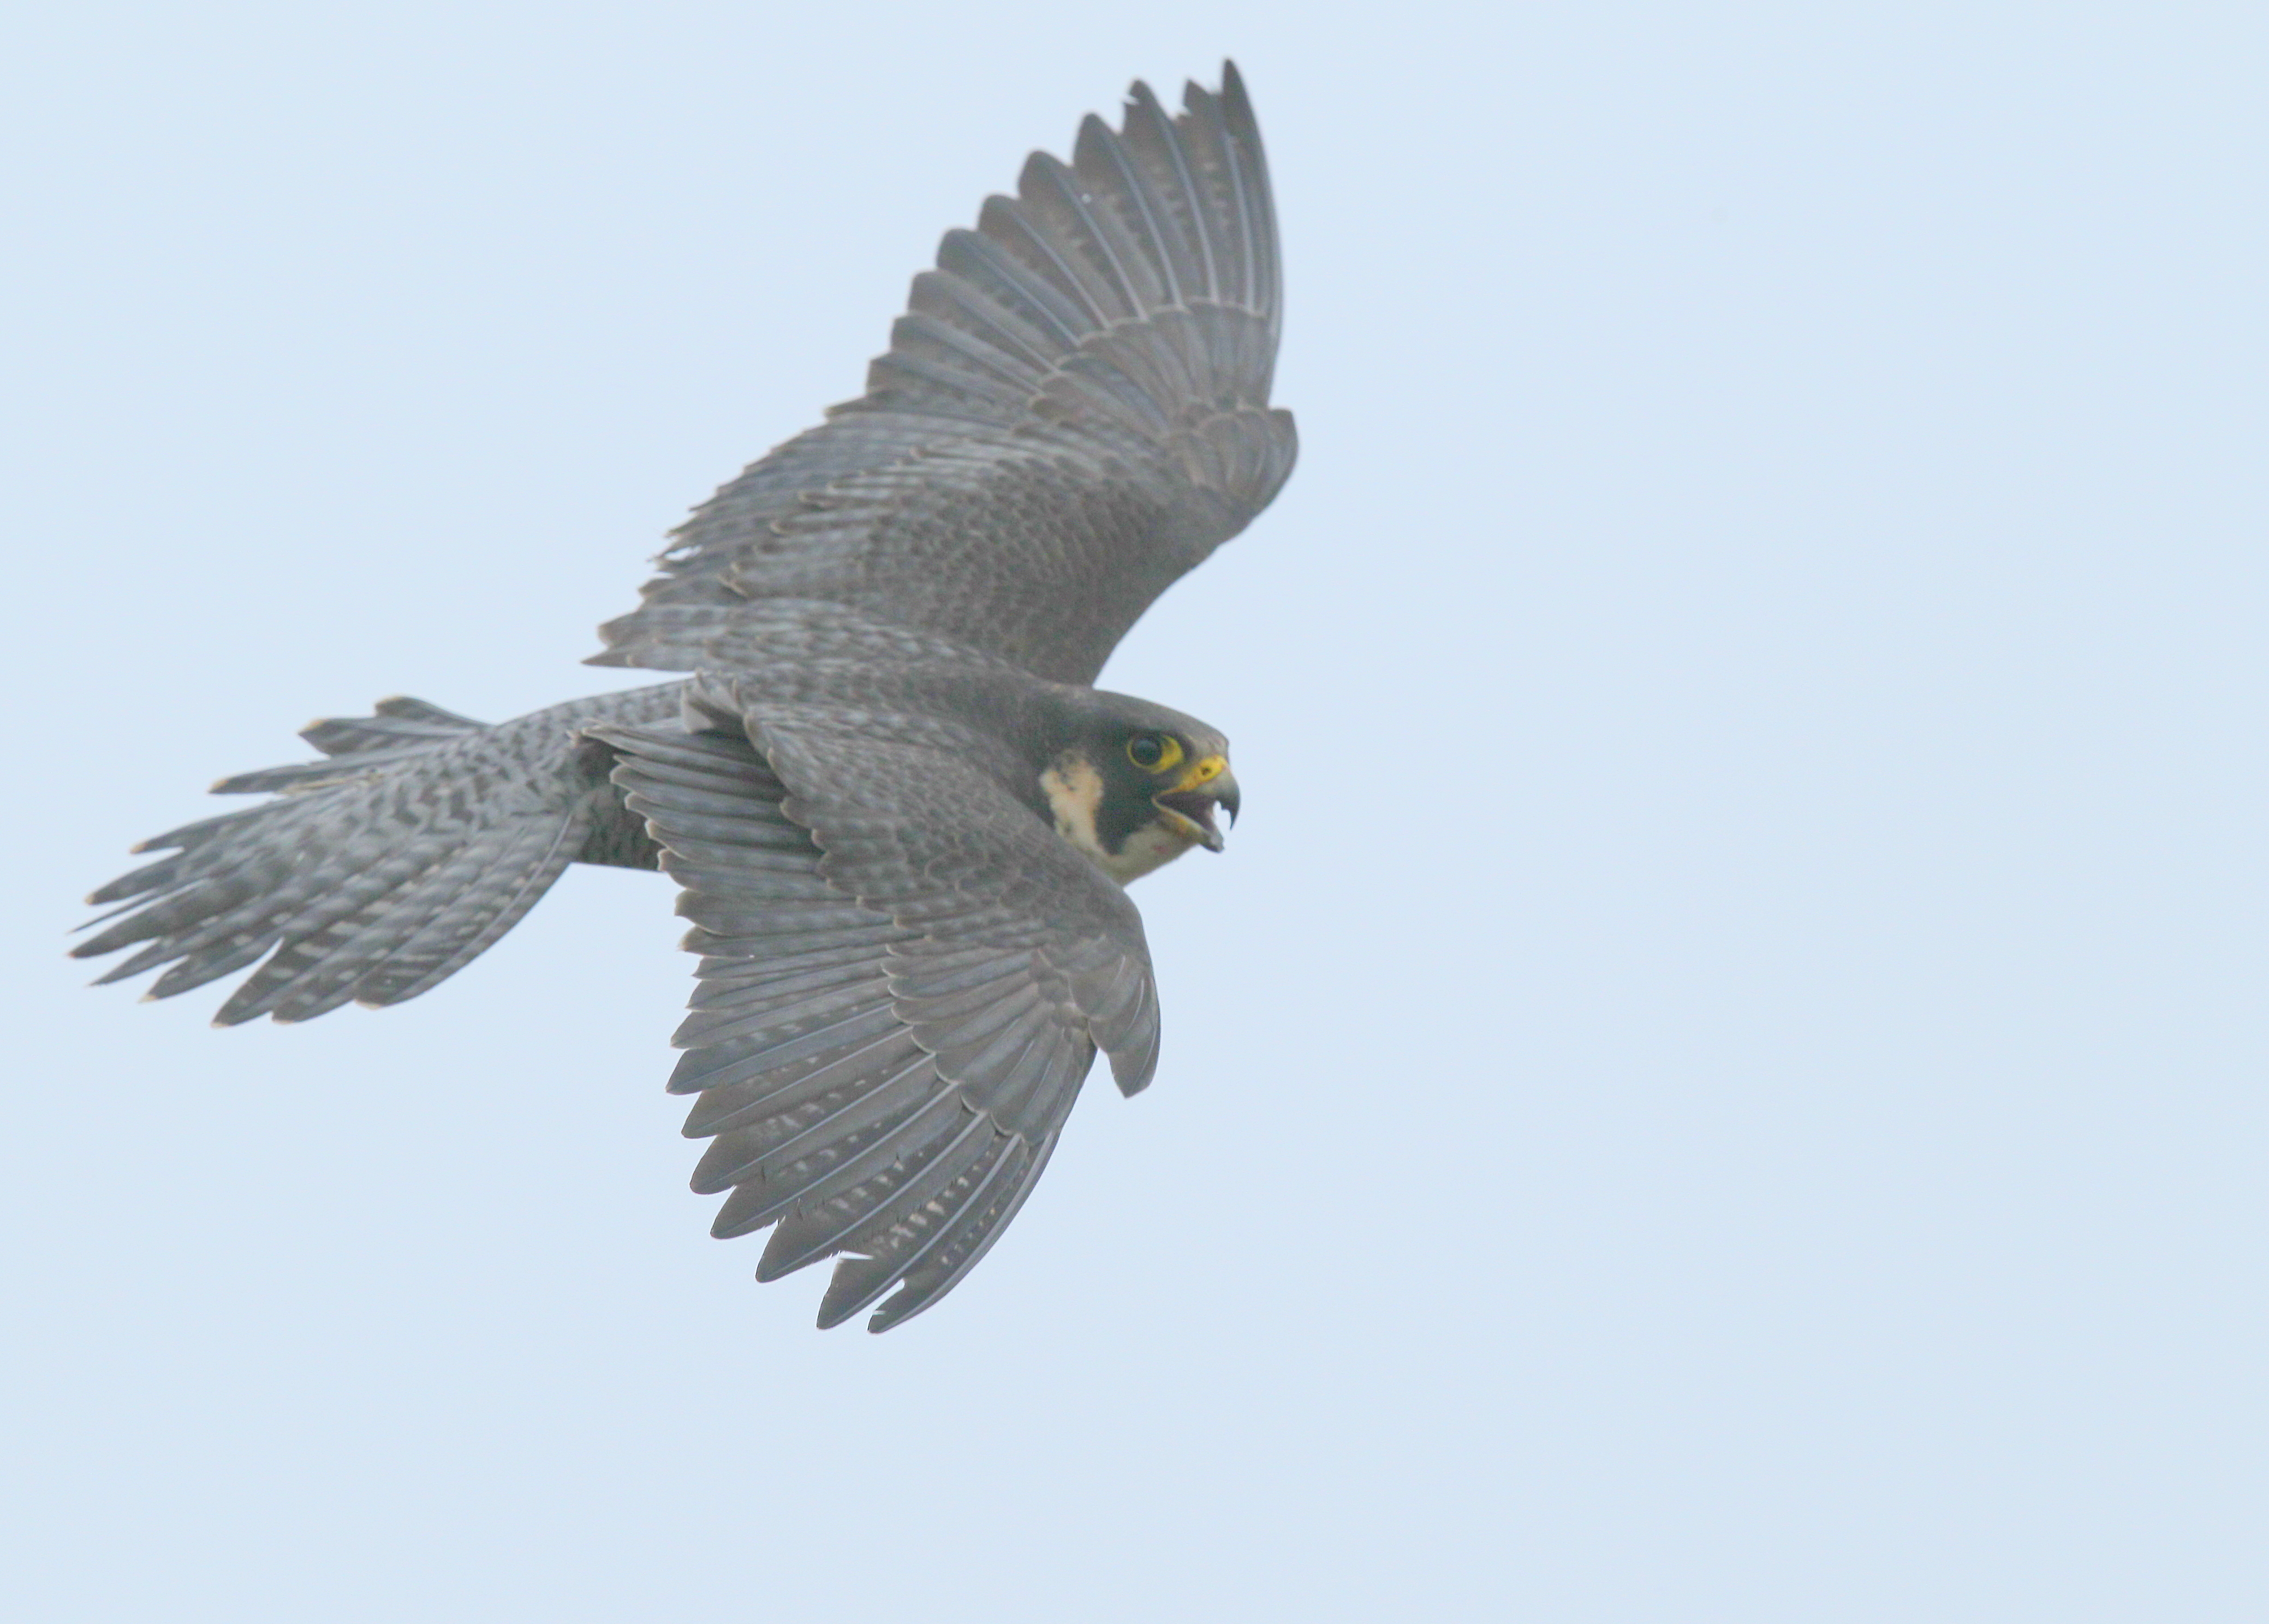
x=1147, y=751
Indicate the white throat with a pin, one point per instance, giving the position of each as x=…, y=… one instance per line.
x=1074, y=790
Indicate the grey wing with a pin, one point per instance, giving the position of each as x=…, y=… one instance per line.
x=883, y=1046
x=1073, y=413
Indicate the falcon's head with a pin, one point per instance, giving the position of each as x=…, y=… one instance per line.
x=1138, y=786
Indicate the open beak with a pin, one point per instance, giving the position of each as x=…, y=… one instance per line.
x=1189, y=803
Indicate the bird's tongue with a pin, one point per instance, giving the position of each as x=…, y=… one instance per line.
x=1197, y=807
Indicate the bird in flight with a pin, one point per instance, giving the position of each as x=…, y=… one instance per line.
x=900, y=816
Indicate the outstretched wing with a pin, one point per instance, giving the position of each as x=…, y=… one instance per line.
x=904, y=978
x=1073, y=413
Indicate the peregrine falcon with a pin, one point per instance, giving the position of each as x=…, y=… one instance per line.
x=899, y=816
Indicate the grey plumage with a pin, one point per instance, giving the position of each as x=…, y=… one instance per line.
x=380, y=872
x=1073, y=413
x=891, y=806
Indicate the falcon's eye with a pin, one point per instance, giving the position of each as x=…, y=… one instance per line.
x=1153, y=752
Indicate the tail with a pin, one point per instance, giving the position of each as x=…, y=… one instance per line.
x=384, y=869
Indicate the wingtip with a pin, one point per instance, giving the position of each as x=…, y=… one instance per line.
x=1233, y=96
x=1135, y=1074
x=612, y=633
x=905, y=1304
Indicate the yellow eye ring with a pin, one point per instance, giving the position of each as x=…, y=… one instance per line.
x=1154, y=752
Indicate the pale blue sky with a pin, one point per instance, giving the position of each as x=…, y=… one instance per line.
x=1720, y=1078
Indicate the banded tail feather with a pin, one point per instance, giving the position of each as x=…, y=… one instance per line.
x=377, y=873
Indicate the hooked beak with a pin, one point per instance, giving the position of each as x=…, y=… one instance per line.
x=1190, y=802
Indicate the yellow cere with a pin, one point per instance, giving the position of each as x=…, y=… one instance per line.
x=1211, y=767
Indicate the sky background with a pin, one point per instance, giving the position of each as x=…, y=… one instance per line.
x=1722, y=1077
